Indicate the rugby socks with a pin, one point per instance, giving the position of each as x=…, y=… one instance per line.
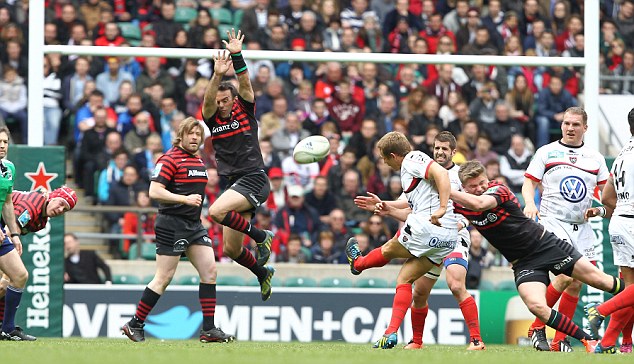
x=247, y=260
x=618, y=286
x=374, y=259
x=567, y=307
x=235, y=221
x=552, y=296
x=564, y=324
x=618, y=321
x=627, y=331
x=146, y=304
x=621, y=300
x=402, y=301
x=12, y=301
x=2, y=308
x=470, y=313
x=207, y=298
x=418, y=323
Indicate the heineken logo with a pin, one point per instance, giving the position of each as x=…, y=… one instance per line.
x=40, y=178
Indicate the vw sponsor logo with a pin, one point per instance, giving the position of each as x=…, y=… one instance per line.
x=573, y=189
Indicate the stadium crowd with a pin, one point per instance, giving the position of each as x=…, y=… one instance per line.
x=119, y=114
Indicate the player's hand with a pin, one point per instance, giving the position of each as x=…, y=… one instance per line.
x=435, y=217
x=368, y=202
x=531, y=211
x=592, y=212
x=222, y=62
x=193, y=200
x=382, y=208
x=234, y=45
x=17, y=243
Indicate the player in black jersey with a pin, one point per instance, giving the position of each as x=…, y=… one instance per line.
x=178, y=184
x=230, y=115
x=533, y=252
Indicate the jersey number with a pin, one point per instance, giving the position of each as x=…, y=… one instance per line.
x=619, y=176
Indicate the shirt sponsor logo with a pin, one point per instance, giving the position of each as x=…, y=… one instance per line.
x=563, y=263
x=555, y=154
x=573, y=189
x=195, y=173
x=219, y=129
x=437, y=243
x=573, y=160
x=157, y=170
x=492, y=217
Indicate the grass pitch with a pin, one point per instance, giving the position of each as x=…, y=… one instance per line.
x=103, y=351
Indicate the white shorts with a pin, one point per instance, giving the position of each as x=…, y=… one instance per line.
x=460, y=255
x=622, y=238
x=579, y=236
x=424, y=239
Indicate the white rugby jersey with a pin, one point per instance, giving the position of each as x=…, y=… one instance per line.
x=623, y=181
x=421, y=193
x=456, y=185
x=569, y=175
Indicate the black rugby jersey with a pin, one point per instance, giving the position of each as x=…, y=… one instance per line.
x=184, y=174
x=235, y=140
x=505, y=226
x=28, y=208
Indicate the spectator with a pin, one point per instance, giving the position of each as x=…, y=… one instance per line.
x=303, y=91
x=344, y=109
x=351, y=183
x=514, y=162
x=332, y=35
x=52, y=103
x=483, y=43
x=347, y=161
x=529, y=15
x=278, y=196
x=111, y=37
x=194, y=97
x=134, y=222
x=427, y=145
x=442, y=85
x=175, y=66
x=546, y=45
x=378, y=180
x=65, y=22
x=466, y=141
x=551, y=104
x=105, y=16
x=434, y=31
x=84, y=119
x=446, y=112
x=483, y=151
x=322, y=199
x=376, y=231
x=82, y=266
x=364, y=140
x=152, y=74
x=530, y=41
x=12, y=57
x=50, y=34
x=167, y=112
x=521, y=100
x=401, y=9
x=370, y=38
x=479, y=258
x=369, y=83
x=264, y=221
x=625, y=69
x=269, y=156
x=501, y=130
x=352, y=17
x=274, y=90
x=276, y=39
x=405, y=83
x=13, y=101
x=419, y=125
x=91, y=152
x=199, y=26
x=495, y=17
x=255, y=17
x=338, y=226
x=91, y=11
x=272, y=121
x=130, y=64
x=285, y=139
x=413, y=105
x=166, y=27
x=144, y=159
x=329, y=75
x=461, y=110
x=109, y=81
x=295, y=252
x=458, y=17
x=299, y=174
x=397, y=39
x=135, y=139
x=625, y=20
x=318, y=116
x=112, y=173
x=566, y=40
x=324, y=252
x=297, y=216
x=482, y=109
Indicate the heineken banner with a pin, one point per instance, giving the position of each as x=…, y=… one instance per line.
x=40, y=311
x=355, y=315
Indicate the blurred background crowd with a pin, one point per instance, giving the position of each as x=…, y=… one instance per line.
x=117, y=115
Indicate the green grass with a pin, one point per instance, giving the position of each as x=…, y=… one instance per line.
x=98, y=351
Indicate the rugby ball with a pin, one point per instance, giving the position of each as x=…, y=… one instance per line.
x=311, y=149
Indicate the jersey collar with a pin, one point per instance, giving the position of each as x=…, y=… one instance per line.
x=571, y=146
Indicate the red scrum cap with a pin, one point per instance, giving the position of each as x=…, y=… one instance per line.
x=65, y=193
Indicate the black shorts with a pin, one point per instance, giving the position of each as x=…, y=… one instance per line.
x=255, y=187
x=174, y=234
x=553, y=255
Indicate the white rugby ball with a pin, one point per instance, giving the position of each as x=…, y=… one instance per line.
x=311, y=149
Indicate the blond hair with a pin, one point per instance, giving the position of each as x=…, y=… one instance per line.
x=470, y=169
x=576, y=110
x=394, y=142
x=185, y=127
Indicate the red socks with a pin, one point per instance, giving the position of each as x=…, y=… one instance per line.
x=552, y=296
x=402, y=301
x=418, y=323
x=567, y=307
x=618, y=321
x=621, y=300
x=470, y=312
x=627, y=331
x=374, y=259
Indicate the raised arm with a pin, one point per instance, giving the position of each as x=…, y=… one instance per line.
x=234, y=46
x=222, y=62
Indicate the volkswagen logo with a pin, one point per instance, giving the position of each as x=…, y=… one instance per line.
x=573, y=189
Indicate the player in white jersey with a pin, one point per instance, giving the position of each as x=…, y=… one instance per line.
x=430, y=230
x=618, y=199
x=568, y=171
x=456, y=263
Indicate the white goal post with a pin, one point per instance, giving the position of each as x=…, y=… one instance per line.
x=590, y=62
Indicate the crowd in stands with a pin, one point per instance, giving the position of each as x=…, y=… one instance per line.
x=118, y=114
